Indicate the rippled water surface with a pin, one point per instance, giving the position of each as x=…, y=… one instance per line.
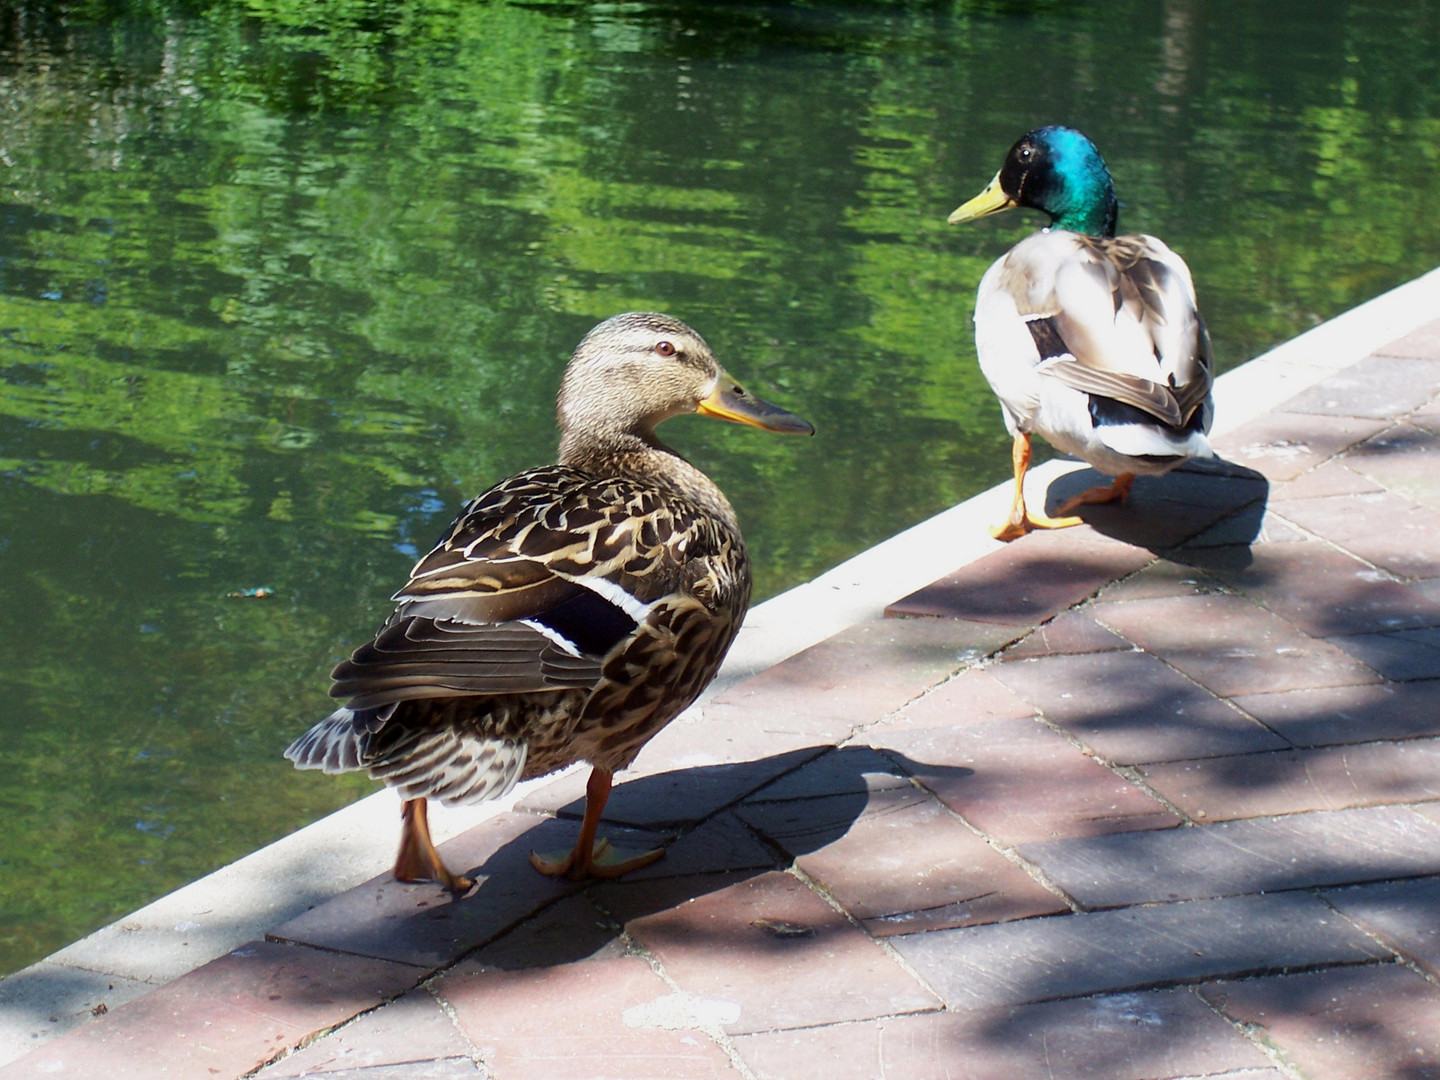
x=282, y=283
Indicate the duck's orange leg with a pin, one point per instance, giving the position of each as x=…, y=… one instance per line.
x=1020, y=520
x=588, y=858
x=418, y=860
x=1118, y=491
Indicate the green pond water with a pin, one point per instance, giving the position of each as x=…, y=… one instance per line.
x=282, y=283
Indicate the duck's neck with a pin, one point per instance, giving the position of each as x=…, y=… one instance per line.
x=1093, y=218
x=1078, y=194
x=648, y=460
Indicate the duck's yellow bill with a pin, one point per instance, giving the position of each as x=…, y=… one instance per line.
x=731, y=401
x=990, y=201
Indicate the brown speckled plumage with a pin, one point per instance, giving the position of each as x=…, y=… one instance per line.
x=572, y=610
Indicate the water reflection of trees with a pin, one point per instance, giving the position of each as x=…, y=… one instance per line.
x=282, y=282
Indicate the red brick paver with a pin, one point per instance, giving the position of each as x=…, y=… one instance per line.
x=223, y=1019
x=777, y=952
x=1369, y=1023
x=1230, y=646
x=1133, y=707
x=904, y=864
x=1137, y=1036
x=1292, y=781
x=610, y=1015
x=1018, y=781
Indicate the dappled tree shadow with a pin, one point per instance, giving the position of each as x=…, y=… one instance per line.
x=710, y=847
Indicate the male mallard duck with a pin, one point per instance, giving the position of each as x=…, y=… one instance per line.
x=570, y=612
x=1090, y=339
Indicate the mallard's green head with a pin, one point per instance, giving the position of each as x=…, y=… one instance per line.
x=1057, y=170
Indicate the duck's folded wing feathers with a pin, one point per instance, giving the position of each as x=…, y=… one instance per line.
x=508, y=658
x=531, y=589
x=1114, y=317
x=1145, y=394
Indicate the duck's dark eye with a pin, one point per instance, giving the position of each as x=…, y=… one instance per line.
x=664, y=348
x=1026, y=153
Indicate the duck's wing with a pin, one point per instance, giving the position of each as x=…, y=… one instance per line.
x=537, y=581
x=536, y=584
x=1114, y=317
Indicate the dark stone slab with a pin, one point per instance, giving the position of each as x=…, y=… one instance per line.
x=1349, y=714
x=1293, y=781
x=1136, y=1036
x=1261, y=855
x=1067, y=956
x=1132, y=708
x=1284, y=446
x=427, y=926
x=905, y=863
x=676, y=798
x=720, y=845
x=1363, y=1023
x=1380, y=387
x=570, y=930
x=1322, y=591
x=1405, y=914
x=1253, y=525
x=1403, y=656
x=850, y=771
x=1230, y=645
x=1164, y=512
x=1027, y=581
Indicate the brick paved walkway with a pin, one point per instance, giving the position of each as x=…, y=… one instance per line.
x=1153, y=798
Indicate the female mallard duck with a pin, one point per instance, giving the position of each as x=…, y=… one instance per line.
x=570, y=612
x=1090, y=339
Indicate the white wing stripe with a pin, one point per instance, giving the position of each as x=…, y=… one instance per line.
x=613, y=593
x=553, y=634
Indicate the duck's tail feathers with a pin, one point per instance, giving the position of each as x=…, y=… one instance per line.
x=1137, y=433
x=1154, y=441
x=337, y=744
x=450, y=767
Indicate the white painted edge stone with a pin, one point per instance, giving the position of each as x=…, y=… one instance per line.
x=240, y=902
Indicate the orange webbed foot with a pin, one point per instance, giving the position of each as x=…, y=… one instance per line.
x=1119, y=491
x=605, y=861
x=417, y=859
